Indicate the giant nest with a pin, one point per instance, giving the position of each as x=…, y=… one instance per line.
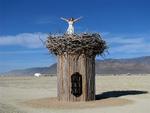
x=88, y=44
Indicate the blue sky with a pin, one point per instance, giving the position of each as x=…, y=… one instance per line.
x=124, y=24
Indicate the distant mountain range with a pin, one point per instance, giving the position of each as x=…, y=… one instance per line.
x=139, y=65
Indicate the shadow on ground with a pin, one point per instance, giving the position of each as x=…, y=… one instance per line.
x=110, y=94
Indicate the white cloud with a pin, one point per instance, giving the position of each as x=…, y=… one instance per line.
x=134, y=48
x=30, y=40
x=130, y=44
x=23, y=52
x=122, y=40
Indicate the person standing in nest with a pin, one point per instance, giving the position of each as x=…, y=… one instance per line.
x=70, y=22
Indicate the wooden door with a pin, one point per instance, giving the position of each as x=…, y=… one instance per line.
x=76, y=84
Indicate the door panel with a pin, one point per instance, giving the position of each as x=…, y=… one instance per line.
x=76, y=84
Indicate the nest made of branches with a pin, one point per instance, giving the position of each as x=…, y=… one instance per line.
x=88, y=44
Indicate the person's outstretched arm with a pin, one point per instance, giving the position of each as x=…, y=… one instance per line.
x=78, y=19
x=64, y=19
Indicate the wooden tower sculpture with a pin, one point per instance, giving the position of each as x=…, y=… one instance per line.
x=76, y=64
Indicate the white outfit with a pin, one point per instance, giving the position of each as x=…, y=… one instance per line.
x=70, y=29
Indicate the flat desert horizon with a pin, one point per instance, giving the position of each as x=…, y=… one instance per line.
x=114, y=94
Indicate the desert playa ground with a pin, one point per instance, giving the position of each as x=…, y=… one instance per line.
x=115, y=94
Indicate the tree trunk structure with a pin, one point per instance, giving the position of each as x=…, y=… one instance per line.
x=75, y=78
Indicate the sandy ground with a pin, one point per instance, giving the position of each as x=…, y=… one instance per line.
x=115, y=94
